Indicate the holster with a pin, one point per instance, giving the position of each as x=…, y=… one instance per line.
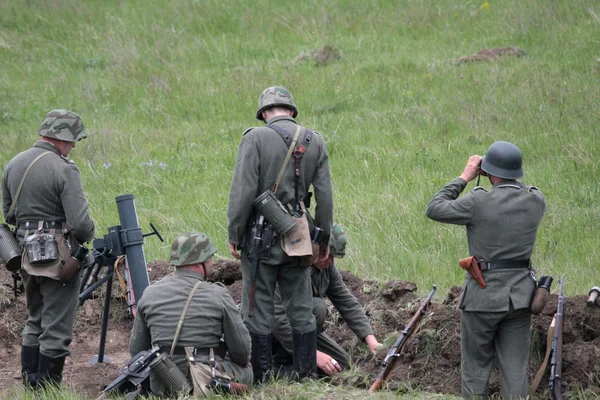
x=471, y=265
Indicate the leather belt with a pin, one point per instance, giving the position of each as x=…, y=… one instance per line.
x=503, y=264
x=180, y=350
x=34, y=225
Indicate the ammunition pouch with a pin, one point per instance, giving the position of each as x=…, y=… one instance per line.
x=48, y=254
x=10, y=252
x=168, y=373
x=274, y=212
x=41, y=248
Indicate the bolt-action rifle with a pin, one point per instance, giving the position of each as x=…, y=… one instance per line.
x=557, y=346
x=392, y=356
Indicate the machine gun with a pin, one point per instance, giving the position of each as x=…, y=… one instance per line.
x=392, y=356
x=555, y=382
x=125, y=240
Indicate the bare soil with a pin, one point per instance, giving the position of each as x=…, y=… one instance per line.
x=430, y=360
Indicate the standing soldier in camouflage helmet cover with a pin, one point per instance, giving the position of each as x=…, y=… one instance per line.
x=501, y=227
x=41, y=188
x=261, y=159
x=326, y=281
x=212, y=314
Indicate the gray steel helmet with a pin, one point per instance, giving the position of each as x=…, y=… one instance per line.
x=504, y=160
x=63, y=125
x=337, y=247
x=273, y=97
x=191, y=248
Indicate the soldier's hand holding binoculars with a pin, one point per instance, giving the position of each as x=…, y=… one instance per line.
x=472, y=168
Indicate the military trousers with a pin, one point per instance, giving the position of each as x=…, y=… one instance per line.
x=294, y=287
x=325, y=343
x=52, y=306
x=502, y=337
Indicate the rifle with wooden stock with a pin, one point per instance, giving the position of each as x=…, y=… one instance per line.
x=554, y=345
x=392, y=356
x=557, y=346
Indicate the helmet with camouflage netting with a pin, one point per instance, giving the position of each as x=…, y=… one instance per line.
x=275, y=96
x=191, y=248
x=504, y=160
x=337, y=247
x=63, y=125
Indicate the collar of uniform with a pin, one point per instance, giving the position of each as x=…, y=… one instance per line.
x=508, y=183
x=281, y=118
x=46, y=146
x=188, y=274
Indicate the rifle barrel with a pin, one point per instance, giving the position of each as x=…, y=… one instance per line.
x=392, y=356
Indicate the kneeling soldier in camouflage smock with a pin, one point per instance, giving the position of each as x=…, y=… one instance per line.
x=501, y=230
x=42, y=191
x=212, y=314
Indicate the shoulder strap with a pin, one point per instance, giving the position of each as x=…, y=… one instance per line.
x=287, y=158
x=286, y=138
x=180, y=323
x=14, y=201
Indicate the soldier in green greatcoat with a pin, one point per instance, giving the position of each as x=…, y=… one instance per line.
x=501, y=230
x=51, y=196
x=326, y=282
x=212, y=315
x=261, y=155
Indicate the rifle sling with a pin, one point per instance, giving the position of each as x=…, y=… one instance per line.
x=540, y=373
x=287, y=158
x=180, y=323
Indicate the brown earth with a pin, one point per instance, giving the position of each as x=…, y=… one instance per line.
x=430, y=360
x=492, y=54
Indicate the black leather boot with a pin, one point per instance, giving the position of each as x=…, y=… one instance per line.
x=29, y=365
x=305, y=354
x=261, y=357
x=50, y=370
x=282, y=362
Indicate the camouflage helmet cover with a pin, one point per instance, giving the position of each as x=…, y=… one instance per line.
x=337, y=247
x=63, y=125
x=191, y=248
x=273, y=97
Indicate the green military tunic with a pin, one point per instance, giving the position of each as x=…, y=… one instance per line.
x=52, y=191
x=212, y=314
x=260, y=157
x=326, y=283
x=501, y=225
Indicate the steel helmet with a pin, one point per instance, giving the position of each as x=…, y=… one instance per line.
x=273, y=97
x=191, y=248
x=63, y=125
x=337, y=247
x=504, y=160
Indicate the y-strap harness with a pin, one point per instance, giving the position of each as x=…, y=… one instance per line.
x=297, y=153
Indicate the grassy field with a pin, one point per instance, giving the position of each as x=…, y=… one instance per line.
x=166, y=89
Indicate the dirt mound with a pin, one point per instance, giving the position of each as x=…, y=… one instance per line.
x=493, y=54
x=430, y=360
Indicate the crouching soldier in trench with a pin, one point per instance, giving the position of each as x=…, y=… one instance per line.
x=211, y=315
x=326, y=281
x=501, y=230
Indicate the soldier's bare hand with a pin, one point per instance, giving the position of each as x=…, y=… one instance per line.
x=372, y=342
x=233, y=251
x=327, y=364
x=471, y=169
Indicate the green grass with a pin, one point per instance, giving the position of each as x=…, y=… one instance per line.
x=175, y=84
